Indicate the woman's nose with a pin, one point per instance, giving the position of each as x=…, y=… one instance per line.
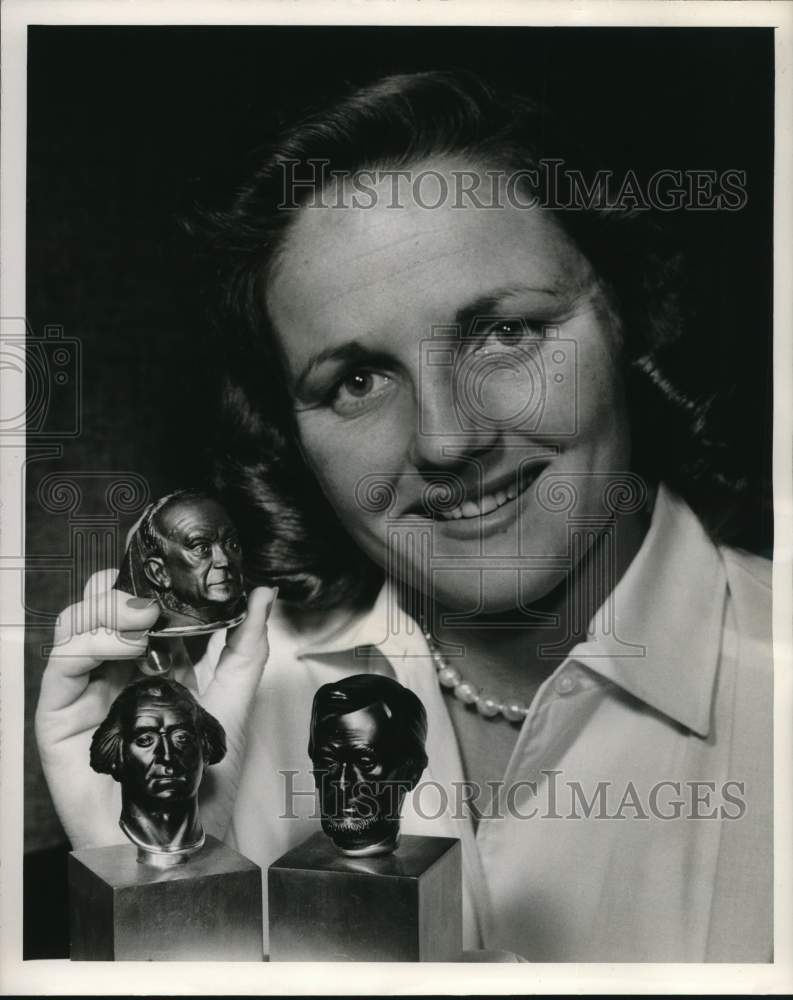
x=446, y=427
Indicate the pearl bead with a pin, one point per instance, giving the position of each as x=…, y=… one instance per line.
x=514, y=711
x=487, y=706
x=449, y=677
x=466, y=692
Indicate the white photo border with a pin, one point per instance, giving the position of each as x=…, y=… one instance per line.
x=100, y=978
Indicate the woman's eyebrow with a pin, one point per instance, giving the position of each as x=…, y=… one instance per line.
x=485, y=306
x=354, y=352
x=350, y=353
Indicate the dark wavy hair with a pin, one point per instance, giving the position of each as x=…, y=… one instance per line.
x=107, y=754
x=408, y=734
x=291, y=536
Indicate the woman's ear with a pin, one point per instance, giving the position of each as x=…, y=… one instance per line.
x=156, y=573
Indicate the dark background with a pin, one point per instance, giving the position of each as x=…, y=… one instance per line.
x=129, y=127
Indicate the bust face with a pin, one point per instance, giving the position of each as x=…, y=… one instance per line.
x=203, y=558
x=361, y=779
x=163, y=759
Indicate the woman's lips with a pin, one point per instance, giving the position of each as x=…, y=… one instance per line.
x=494, y=512
x=478, y=508
x=501, y=493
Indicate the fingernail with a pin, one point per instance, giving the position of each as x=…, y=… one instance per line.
x=272, y=604
x=141, y=602
x=136, y=634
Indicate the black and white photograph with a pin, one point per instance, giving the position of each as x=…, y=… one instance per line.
x=397, y=498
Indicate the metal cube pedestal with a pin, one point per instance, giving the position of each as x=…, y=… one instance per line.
x=208, y=909
x=401, y=907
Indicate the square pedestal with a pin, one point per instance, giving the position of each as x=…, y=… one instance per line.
x=208, y=909
x=402, y=907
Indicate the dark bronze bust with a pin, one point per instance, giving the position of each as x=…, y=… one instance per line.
x=157, y=741
x=186, y=554
x=367, y=749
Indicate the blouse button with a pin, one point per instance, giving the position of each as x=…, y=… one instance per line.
x=565, y=684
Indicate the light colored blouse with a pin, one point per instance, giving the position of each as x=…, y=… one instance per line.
x=636, y=819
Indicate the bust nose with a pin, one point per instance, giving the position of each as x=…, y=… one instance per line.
x=219, y=557
x=344, y=778
x=163, y=750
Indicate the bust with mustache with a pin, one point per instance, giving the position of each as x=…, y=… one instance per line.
x=367, y=749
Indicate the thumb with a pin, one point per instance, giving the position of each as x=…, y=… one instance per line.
x=230, y=697
x=247, y=637
x=241, y=664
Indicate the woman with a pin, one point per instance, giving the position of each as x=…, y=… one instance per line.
x=452, y=439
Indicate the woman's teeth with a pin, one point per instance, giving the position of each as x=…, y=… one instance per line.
x=476, y=508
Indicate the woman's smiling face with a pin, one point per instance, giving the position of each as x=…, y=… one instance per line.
x=465, y=346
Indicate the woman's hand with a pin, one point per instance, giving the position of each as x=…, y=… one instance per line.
x=97, y=646
x=229, y=697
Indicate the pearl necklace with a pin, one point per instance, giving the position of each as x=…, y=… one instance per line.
x=487, y=705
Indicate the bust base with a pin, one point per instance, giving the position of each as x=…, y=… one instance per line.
x=400, y=907
x=206, y=909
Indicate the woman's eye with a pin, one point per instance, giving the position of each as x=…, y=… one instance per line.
x=357, y=389
x=507, y=333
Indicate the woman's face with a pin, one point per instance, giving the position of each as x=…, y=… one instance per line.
x=467, y=348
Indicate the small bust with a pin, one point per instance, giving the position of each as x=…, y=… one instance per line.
x=157, y=741
x=186, y=554
x=367, y=749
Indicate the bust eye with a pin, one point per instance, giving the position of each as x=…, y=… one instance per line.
x=201, y=549
x=181, y=737
x=144, y=740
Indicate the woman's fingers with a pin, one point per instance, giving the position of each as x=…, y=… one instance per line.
x=108, y=611
x=99, y=583
x=229, y=698
x=111, y=625
x=241, y=663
